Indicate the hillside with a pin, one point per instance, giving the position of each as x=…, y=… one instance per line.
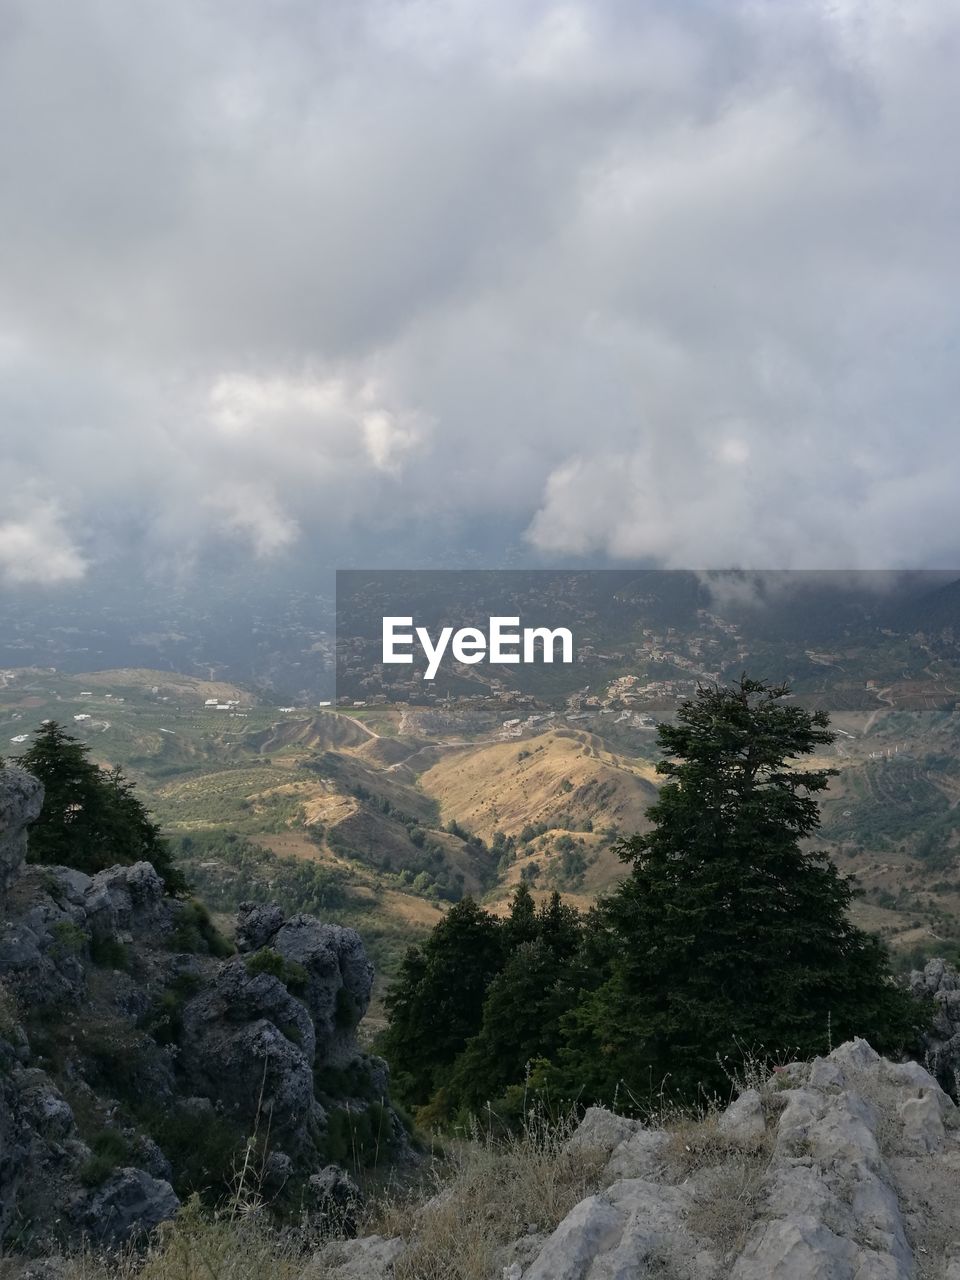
x=400, y=807
x=563, y=778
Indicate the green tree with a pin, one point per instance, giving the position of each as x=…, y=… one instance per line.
x=728, y=933
x=91, y=818
x=436, y=1001
x=521, y=924
x=522, y=1018
x=526, y=1003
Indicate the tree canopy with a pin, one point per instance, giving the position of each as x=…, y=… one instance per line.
x=730, y=935
x=91, y=818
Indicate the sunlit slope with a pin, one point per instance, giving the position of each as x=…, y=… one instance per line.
x=562, y=778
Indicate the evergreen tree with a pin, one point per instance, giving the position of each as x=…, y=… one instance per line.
x=728, y=934
x=436, y=1001
x=520, y=925
x=526, y=1003
x=521, y=1024
x=90, y=818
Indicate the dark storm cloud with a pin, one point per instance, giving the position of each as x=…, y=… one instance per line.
x=672, y=282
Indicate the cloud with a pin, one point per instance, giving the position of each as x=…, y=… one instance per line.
x=645, y=281
x=35, y=548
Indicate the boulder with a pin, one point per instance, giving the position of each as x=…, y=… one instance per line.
x=332, y=1197
x=121, y=898
x=370, y=1258
x=601, y=1130
x=939, y=981
x=256, y=925
x=129, y=1204
x=743, y=1121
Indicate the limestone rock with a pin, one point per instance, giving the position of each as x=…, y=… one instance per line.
x=21, y=799
x=593, y=1227
x=339, y=980
x=601, y=1130
x=743, y=1121
x=334, y=1198
x=923, y=1128
x=256, y=925
x=370, y=1258
x=638, y=1156
x=941, y=982
x=248, y=1044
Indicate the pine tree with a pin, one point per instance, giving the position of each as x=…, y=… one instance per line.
x=526, y=1003
x=520, y=925
x=90, y=818
x=728, y=934
x=436, y=1001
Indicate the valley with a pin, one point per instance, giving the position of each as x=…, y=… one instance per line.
x=382, y=814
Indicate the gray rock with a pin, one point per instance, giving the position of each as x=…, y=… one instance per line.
x=940, y=980
x=743, y=1121
x=639, y=1156
x=601, y=1130
x=339, y=981
x=856, y=1055
x=256, y=925
x=128, y=1205
x=332, y=1196
x=120, y=898
x=369, y=1258
x=593, y=1227
x=923, y=1128
x=636, y=1228
x=42, y=1106
x=21, y=799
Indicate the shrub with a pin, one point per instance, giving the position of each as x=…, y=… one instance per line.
x=69, y=939
x=108, y=952
x=111, y=1150
x=293, y=975
x=196, y=933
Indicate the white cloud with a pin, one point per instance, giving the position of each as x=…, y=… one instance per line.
x=34, y=548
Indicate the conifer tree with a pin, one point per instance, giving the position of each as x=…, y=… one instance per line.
x=729, y=934
x=520, y=925
x=526, y=1003
x=90, y=818
x=436, y=1001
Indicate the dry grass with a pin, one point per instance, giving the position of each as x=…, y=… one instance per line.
x=486, y=1194
x=477, y=1197
x=729, y=1198
x=195, y=1247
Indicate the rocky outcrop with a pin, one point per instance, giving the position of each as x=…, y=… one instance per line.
x=837, y=1145
x=844, y=1168
x=21, y=798
x=940, y=983
x=126, y=1044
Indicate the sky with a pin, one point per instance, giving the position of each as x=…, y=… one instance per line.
x=610, y=282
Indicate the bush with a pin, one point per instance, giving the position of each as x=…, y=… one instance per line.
x=196, y=933
x=293, y=975
x=69, y=939
x=111, y=1150
x=204, y=1148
